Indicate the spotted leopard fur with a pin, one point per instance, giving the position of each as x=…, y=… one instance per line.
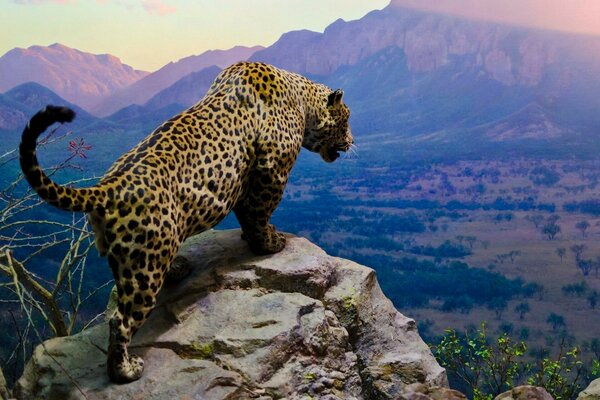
x=233, y=150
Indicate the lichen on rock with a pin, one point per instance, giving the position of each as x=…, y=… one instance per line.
x=297, y=325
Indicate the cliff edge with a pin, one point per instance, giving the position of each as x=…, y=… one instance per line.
x=297, y=325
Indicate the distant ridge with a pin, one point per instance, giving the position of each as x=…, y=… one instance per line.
x=20, y=103
x=143, y=90
x=77, y=76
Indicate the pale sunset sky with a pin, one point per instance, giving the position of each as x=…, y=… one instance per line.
x=147, y=34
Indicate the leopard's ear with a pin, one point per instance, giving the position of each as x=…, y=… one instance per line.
x=335, y=98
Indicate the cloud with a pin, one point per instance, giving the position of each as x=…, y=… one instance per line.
x=157, y=7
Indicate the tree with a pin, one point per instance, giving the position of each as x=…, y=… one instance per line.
x=498, y=305
x=536, y=219
x=578, y=249
x=39, y=306
x=471, y=240
x=593, y=299
x=585, y=266
x=557, y=321
x=582, y=226
x=512, y=254
x=522, y=309
x=551, y=230
x=561, y=251
x=553, y=219
x=487, y=366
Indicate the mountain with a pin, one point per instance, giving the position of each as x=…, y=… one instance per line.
x=186, y=91
x=79, y=77
x=448, y=80
x=22, y=102
x=165, y=104
x=144, y=89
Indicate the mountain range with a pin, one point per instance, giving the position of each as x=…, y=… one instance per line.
x=79, y=77
x=420, y=77
x=147, y=87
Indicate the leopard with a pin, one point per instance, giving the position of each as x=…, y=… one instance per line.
x=231, y=151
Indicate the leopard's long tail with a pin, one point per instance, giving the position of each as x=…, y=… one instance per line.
x=63, y=197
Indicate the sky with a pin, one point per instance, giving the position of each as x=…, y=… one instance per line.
x=147, y=34
x=579, y=16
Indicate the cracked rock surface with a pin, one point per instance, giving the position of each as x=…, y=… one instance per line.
x=296, y=325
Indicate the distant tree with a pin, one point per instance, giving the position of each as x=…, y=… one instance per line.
x=578, y=249
x=585, y=266
x=561, y=251
x=471, y=240
x=522, y=309
x=551, y=230
x=506, y=328
x=536, y=219
x=575, y=289
x=524, y=333
x=512, y=254
x=553, y=219
x=498, y=305
x=534, y=288
x=593, y=299
x=595, y=347
x=485, y=244
x=582, y=226
x=542, y=175
x=501, y=258
x=557, y=321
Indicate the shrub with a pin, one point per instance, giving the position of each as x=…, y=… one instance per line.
x=484, y=367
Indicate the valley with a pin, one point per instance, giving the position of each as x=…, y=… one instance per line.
x=417, y=225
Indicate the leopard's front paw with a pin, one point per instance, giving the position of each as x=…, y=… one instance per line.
x=129, y=369
x=272, y=243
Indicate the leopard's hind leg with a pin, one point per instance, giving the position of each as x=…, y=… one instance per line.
x=139, y=272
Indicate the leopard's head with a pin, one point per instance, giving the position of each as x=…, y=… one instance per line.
x=329, y=133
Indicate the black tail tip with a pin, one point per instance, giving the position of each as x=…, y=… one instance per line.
x=60, y=114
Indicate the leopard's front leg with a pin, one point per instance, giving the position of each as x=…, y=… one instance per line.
x=254, y=211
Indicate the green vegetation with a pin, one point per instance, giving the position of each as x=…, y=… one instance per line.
x=483, y=366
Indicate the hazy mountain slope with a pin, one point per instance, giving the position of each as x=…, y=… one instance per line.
x=508, y=54
x=445, y=79
x=79, y=77
x=20, y=103
x=143, y=90
x=186, y=91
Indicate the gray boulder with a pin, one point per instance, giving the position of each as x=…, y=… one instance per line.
x=592, y=392
x=525, y=392
x=297, y=325
x=4, y=393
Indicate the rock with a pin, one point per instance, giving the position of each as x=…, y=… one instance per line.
x=4, y=393
x=419, y=391
x=592, y=392
x=525, y=393
x=298, y=324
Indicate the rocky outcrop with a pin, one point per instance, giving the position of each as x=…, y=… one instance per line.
x=299, y=324
x=592, y=392
x=525, y=392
